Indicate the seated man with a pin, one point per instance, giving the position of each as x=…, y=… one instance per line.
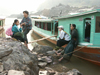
x=67, y=53
x=64, y=38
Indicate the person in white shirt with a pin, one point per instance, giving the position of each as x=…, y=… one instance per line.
x=64, y=38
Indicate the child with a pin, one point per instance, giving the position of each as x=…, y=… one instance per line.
x=17, y=32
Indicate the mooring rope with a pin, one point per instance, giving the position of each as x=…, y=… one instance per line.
x=76, y=50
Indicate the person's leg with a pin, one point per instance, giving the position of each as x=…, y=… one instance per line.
x=63, y=42
x=19, y=38
x=25, y=37
x=58, y=43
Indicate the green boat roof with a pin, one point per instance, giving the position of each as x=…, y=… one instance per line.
x=80, y=14
x=43, y=20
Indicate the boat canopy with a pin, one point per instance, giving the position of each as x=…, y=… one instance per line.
x=43, y=20
x=2, y=18
x=80, y=14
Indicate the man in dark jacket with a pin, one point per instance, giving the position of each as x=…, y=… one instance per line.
x=26, y=26
x=67, y=52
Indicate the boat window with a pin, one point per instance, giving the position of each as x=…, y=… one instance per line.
x=56, y=29
x=49, y=26
x=87, y=28
x=38, y=24
x=97, y=27
x=45, y=26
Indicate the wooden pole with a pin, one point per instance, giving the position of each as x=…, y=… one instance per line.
x=42, y=39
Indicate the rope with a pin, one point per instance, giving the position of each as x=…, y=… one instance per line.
x=76, y=50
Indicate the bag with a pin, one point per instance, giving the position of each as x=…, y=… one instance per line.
x=9, y=31
x=65, y=35
x=19, y=34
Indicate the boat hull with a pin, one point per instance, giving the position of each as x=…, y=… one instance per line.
x=86, y=53
x=89, y=54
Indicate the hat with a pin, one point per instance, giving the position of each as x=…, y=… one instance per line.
x=61, y=27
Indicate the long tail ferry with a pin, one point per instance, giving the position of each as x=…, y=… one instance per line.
x=2, y=23
x=48, y=27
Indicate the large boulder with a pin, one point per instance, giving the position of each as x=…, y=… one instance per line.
x=42, y=49
x=15, y=56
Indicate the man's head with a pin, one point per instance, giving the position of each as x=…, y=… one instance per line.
x=73, y=26
x=25, y=13
x=60, y=28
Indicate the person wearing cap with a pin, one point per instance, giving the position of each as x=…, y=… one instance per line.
x=26, y=26
x=71, y=45
x=64, y=38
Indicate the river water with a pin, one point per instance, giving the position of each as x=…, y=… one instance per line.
x=85, y=67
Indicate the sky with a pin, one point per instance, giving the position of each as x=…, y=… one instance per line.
x=8, y=7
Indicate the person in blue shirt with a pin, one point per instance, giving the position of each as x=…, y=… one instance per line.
x=15, y=29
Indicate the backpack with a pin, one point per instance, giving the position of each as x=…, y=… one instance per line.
x=9, y=31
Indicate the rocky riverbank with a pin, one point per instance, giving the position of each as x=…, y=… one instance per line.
x=48, y=62
x=16, y=59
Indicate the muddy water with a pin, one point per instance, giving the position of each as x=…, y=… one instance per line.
x=85, y=67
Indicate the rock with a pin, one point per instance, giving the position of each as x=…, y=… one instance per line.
x=50, y=71
x=2, y=74
x=42, y=64
x=64, y=69
x=4, y=53
x=0, y=60
x=42, y=49
x=42, y=72
x=1, y=67
x=50, y=52
x=73, y=72
x=48, y=60
x=40, y=59
x=61, y=73
x=45, y=59
x=15, y=56
x=14, y=72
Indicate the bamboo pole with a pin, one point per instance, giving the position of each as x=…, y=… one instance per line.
x=42, y=39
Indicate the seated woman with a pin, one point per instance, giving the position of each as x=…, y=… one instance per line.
x=71, y=45
x=17, y=31
x=64, y=38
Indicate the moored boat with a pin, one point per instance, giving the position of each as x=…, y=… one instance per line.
x=2, y=23
x=48, y=27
